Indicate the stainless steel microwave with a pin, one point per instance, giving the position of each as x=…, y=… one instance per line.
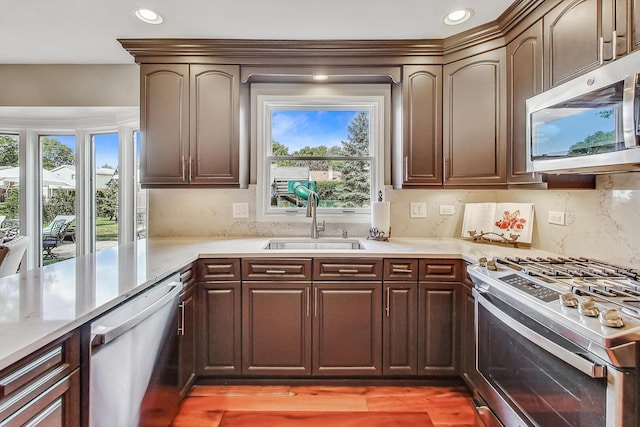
x=589, y=124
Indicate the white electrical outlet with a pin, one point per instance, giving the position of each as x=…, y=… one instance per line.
x=241, y=210
x=556, y=217
x=418, y=210
x=447, y=210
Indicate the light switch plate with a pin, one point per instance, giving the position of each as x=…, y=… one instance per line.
x=556, y=218
x=447, y=210
x=241, y=210
x=418, y=210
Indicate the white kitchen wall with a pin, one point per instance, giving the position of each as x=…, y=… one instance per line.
x=600, y=223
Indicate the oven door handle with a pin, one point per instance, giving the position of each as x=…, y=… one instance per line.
x=585, y=366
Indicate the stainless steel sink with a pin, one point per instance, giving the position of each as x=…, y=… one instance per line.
x=295, y=243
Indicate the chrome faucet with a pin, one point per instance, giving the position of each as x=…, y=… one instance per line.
x=312, y=204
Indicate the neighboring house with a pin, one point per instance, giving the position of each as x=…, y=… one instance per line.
x=103, y=175
x=66, y=172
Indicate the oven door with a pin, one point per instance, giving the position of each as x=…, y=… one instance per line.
x=531, y=376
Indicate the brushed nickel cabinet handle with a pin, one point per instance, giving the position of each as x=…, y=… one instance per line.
x=601, y=49
x=345, y=271
x=402, y=271
x=181, y=327
x=315, y=302
x=308, y=292
x=406, y=168
x=614, y=45
x=275, y=271
x=184, y=178
x=190, y=168
x=388, y=309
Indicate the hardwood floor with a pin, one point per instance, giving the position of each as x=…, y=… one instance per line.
x=326, y=406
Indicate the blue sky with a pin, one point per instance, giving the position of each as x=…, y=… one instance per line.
x=299, y=128
x=556, y=136
x=106, y=146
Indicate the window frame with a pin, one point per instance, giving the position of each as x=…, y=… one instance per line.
x=266, y=98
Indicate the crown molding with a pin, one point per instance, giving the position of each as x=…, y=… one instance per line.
x=387, y=51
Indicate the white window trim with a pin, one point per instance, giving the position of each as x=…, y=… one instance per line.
x=376, y=98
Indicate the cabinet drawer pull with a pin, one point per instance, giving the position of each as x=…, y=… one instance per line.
x=190, y=168
x=275, y=272
x=601, y=50
x=308, y=292
x=614, y=45
x=183, y=169
x=348, y=271
x=402, y=271
x=406, y=168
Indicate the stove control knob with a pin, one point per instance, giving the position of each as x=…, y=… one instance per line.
x=491, y=265
x=611, y=318
x=569, y=300
x=588, y=308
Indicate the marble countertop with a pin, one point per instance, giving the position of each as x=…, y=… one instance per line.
x=41, y=305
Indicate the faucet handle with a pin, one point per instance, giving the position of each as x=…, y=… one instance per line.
x=345, y=234
x=321, y=227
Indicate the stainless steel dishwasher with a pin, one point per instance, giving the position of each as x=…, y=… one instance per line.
x=132, y=347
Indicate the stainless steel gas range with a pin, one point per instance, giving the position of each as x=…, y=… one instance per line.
x=557, y=341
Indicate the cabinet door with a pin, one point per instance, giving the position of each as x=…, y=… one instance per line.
x=422, y=121
x=347, y=328
x=214, y=136
x=164, y=123
x=438, y=331
x=474, y=119
x=219, y=345
x=186, y=342
x=572, y=33
x=399, y=328
x=524, y=80
x=276, y=328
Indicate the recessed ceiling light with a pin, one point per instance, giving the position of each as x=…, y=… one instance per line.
x=320, y=77
x=147, y=15
x=458, y=16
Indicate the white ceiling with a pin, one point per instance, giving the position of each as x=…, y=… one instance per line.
x=86, y=31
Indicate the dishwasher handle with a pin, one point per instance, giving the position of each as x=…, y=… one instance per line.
x=104, y=334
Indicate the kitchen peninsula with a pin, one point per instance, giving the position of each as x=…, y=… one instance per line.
x=43, y=305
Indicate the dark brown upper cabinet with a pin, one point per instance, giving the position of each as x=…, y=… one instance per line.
x=422, y=125
x=474, y=117
x=189, y=124
x=574, y=41
x=524, y=80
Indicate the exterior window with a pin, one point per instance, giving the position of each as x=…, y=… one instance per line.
x=141, y=194
x=58, y=159
x=326, y=141
x=9, y=183
x=106, y=149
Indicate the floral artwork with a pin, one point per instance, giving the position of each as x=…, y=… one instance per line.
x=511, y=221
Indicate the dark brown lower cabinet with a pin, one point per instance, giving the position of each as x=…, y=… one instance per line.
x=43, y=389
x=276, y=328
x=438, y=328
x=219, y=346
x=400, y=329
x=347, y=328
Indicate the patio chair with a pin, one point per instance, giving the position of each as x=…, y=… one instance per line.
x=68, y=220
x=54, y=237
x=11, y=253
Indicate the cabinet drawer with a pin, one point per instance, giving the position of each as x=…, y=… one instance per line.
x=211, y=270
x=440, y=270
x=30, y=377
x=276, y=269
x=347, y=268
x=400, y=269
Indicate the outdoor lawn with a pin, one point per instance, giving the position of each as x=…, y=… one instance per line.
x=106, y=230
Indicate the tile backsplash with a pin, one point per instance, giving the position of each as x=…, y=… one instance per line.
x=600, y=223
